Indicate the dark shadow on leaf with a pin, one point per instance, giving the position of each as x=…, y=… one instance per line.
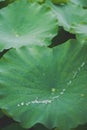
x=61, y=37
x=5, y=3
x=81, y=127
x=3, y=52
x=39, y=127
x=5, y=121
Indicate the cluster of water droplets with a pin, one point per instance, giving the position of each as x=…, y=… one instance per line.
x=36, y=101
x=53, y=91
x=76, y=73
x=46, y=101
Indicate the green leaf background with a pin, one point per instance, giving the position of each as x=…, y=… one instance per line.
x=40, y=84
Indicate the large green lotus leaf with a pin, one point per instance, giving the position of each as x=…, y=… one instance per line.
x=24, y=22
x=43, y=85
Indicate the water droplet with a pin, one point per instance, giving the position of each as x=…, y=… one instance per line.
x=22, y=103
x=18, y=105
x=35, y=101
x=56, y=97
x=64, y=90
x=41, y=101
x=46, y=101
x=61, y=93
x=53, y=89
x=17, y=35
x=28, y=103
x=82, y=64
x=75, y=74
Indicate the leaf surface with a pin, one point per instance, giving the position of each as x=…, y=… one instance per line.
x=43, y=85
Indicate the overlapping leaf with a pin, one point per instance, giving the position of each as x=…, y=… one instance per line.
x=43, y=85
x=73, y=18
x=24, y=22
